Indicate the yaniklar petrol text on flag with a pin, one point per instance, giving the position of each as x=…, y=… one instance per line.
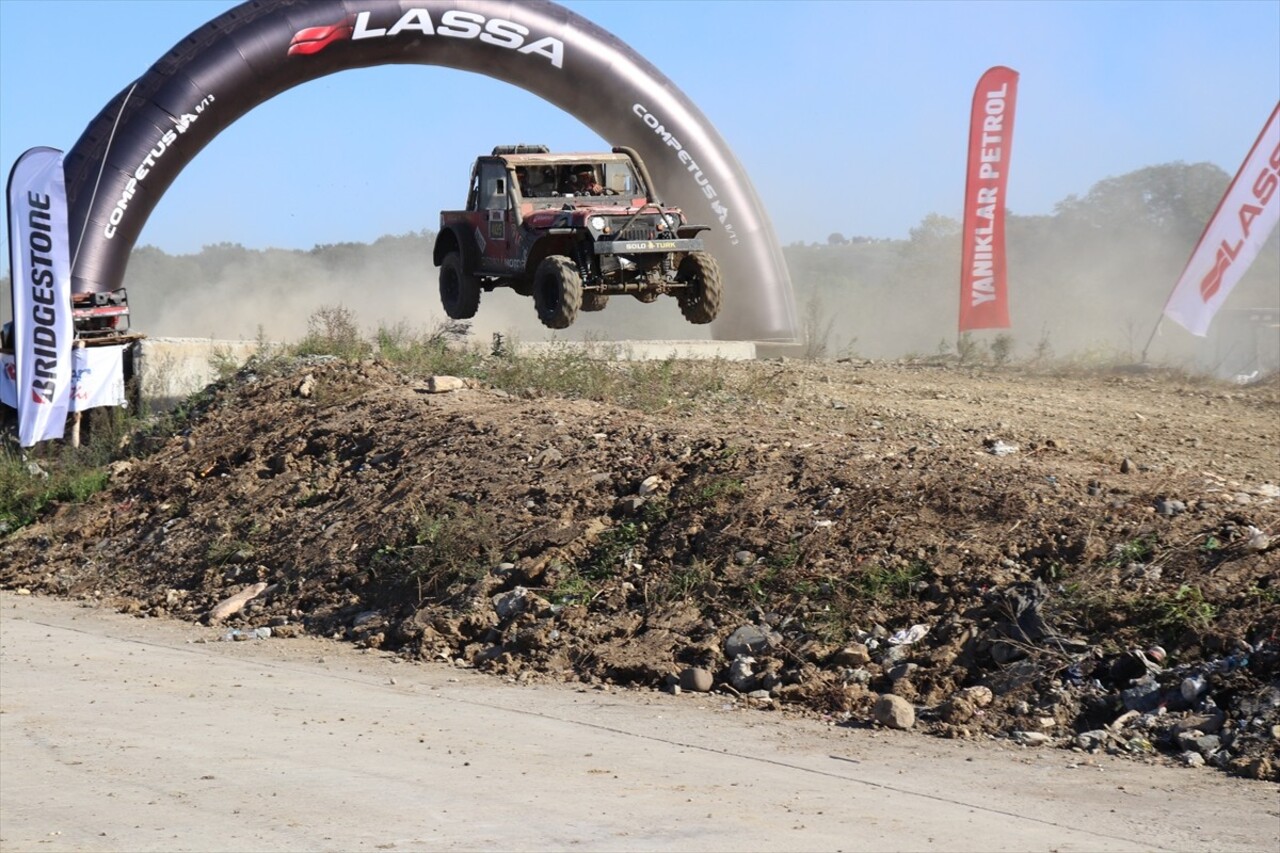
x=41, y=268
x=1245, y=217
x=984, y=292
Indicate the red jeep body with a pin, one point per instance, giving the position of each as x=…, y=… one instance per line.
x=533, y=224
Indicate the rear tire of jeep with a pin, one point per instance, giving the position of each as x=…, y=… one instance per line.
x=459, y=290
x=557, y=292
x=700, y=302
x=594, y=301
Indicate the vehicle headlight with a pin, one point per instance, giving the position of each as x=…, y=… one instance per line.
x=673, y=221
x=596, y=223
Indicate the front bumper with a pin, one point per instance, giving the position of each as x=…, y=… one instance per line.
x=639, y=247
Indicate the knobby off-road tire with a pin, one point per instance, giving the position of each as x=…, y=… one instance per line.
x=700, y=302
x=594, y=301
x=557, y=292
x=459, y=290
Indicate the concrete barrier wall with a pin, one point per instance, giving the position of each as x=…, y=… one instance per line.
x=171, y=369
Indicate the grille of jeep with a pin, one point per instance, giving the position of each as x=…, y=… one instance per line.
x=639, y=231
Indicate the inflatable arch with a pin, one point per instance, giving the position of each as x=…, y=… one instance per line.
x=136, y=147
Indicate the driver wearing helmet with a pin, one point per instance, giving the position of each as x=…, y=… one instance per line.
x=585, y=182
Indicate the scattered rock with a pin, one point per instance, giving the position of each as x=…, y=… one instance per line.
x=696, y=679
x=1031, y=738
x=444, y=384
x=894, y=712
x=234, y=604
x=741, y=673
x=854, y=655
x=747, y=640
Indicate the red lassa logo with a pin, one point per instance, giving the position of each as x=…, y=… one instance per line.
x=315, y=39
x=11, y=370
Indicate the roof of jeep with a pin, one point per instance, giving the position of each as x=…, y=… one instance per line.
x=559, y=159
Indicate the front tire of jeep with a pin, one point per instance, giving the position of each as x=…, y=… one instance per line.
x=459, y=290
x=557, y=292
x=700, y=301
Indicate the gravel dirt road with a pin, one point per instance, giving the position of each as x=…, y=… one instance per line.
x=121, y=733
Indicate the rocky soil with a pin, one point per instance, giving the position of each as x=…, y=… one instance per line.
x=1079, y=561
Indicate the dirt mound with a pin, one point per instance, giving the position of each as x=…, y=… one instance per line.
x=1080, y=561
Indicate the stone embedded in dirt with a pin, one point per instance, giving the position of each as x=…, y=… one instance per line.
x=306, y=387
x=1126, y=466
x=1031, y=738
x=903, y=670
x=650, y=485
x=745, y=641
x=894, y=712
x=979, y=695
x=854, y=654
x=511, y=603
x=230, y=606
x=1207, y=723
x=631, y=505
x=444, y=384
x=1204, y=744
x=741, y=673
x=1093, y=739
x=957, y=710
x=550, y=456
x=1192, y=686
x=894, y=655
x=696, y=679
x=1143, y=696
x=1169, y=507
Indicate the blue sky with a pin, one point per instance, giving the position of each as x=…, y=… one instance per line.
x=878, y=93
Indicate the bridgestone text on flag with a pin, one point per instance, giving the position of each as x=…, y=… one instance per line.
x=984, y=294
x=41, y=279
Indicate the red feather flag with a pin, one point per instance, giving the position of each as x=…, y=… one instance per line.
x=984, y=292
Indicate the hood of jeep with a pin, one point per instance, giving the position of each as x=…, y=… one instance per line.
x=576, y=215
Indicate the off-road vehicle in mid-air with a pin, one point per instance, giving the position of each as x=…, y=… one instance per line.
x=571, y=230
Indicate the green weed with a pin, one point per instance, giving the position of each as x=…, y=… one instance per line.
x=443, y=551
x=571, y=588
x=1184, y=610
x=28, y=486
x=881, y=583
x=1139, y=550
x=612, y=549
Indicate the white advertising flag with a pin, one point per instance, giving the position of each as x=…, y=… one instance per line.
x=1245, y=217
x=41, y=277
x=8, y=381
x=97, y=378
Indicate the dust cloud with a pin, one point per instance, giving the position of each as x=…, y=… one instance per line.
x=1087, y=302
x=271, y=295
x=1091, y=305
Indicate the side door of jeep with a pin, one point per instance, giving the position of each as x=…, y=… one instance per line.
x=497, y=235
